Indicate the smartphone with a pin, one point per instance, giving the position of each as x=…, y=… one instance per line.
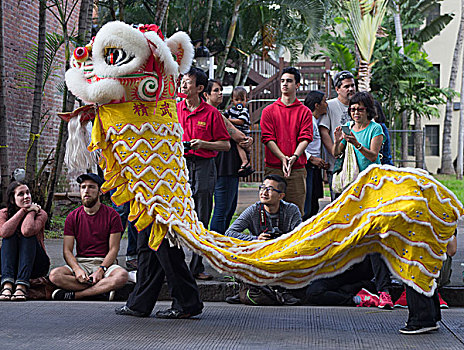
x=346, y=129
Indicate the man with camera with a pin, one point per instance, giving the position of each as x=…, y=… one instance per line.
x=205, y=135
x=267, y=219
x=96, y=229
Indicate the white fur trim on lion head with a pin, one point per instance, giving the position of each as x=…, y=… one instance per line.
x=181, y=47
x=102, y=91
x=128, y=45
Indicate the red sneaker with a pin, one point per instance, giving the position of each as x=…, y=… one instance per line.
x=443, y=304
x=367, y=299
x=385, y=301
x=401, y=302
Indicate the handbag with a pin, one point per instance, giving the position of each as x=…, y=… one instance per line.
x=349, y=172
x=338, y=165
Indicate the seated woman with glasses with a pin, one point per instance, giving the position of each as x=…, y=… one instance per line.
x=364, y=134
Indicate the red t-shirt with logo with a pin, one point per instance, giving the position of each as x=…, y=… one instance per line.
x=204, y=123
x=92, y=232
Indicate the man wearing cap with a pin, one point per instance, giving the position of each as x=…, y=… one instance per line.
x=96, y=228
x=337, y=114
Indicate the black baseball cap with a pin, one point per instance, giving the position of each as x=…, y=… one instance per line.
x=90, y=176
x=340, y=76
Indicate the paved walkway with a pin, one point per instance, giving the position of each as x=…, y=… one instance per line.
x=94, y=325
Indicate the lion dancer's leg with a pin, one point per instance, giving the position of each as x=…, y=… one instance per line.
x=424, y=312
x=153, y=267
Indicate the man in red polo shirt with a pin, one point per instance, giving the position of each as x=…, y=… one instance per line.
x=286, y=130
x=204, y=136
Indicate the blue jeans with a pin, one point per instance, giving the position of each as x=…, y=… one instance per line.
x=22, y=258
x=225, y=203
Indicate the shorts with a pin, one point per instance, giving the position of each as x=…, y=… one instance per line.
x=90, y=265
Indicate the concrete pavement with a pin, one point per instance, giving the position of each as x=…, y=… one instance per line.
x=94, y=325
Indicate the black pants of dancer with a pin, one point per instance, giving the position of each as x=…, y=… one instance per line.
x=202, y=180
x=153, y=267
x=423, y=311
x=340, y=289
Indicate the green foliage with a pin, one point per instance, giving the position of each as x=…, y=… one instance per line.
x=456, y=186
x=26, y=77
x=413, y=17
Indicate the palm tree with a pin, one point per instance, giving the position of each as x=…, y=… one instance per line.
x=3, y=120
x=365, y=18
x=161, y=8
x=446, y=158
x=230, y=36
x=32, y=152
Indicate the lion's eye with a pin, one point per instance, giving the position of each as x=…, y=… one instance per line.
x=116, y=57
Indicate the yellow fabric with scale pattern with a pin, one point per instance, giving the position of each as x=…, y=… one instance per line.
x=403, y=214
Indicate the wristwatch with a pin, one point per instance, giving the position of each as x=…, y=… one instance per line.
x=104, y=268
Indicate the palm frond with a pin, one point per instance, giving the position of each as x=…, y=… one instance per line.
x=434, y=28
x=26, y=77
x=365, y=18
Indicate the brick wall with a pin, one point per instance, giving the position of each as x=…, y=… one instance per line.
x=20, y=23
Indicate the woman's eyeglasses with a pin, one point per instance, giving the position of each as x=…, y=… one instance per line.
x=357, y=109
x=263, y=188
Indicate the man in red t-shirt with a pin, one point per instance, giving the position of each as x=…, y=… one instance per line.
x=96, y=228
x=206, y=135
x=286, y=130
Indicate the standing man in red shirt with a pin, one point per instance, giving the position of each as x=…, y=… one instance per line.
x=205, y=135
x=96, y=228
x=286, y=130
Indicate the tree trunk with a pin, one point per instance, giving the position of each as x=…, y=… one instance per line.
x=398, y=28
x=3, y=121
x=204, y=36
x=161, y=9
x=33, y=150
x=245, y=75
x=85, y=24
x=446, y=157
x=460, y=160
x=230, y=38
x=418, y=142
x=404, y=138
x=364, y=76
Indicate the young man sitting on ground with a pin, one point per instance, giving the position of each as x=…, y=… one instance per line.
x=96, y=228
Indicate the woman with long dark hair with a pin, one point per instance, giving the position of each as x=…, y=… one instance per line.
x=23, y=254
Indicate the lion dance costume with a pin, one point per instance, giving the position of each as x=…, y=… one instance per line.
x=128, y=76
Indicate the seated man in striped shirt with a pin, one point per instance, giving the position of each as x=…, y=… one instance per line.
x=267, y=219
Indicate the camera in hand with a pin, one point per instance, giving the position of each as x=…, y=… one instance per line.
x=187, y=146
x=274, y=233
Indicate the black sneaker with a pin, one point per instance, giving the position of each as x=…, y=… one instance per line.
x=418, y=329
x=234, y=299
x=124, y=310
x=175, y=314
x=131, y=265
x=61, y=294
x=289, y=299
